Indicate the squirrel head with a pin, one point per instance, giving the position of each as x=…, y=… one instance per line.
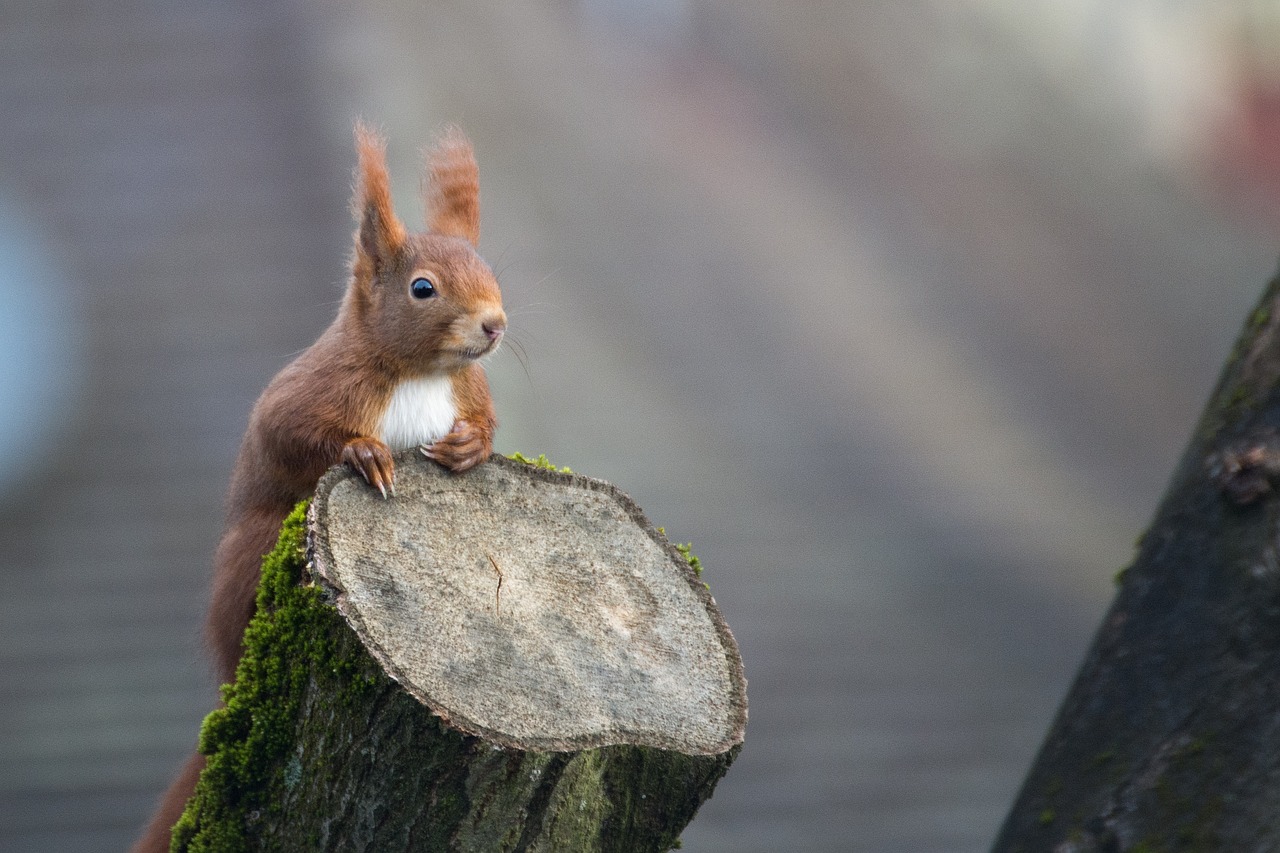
x=423, y=302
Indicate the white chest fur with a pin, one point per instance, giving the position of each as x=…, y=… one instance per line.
x=420, y=411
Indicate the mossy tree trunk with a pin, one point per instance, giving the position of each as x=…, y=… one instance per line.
x=1169, y=739
x=530, y=721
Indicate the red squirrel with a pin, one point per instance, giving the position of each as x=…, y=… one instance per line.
x=398, y=368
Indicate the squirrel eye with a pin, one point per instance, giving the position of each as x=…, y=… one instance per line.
x=422, y=288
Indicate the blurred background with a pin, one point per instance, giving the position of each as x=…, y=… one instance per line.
x=902, y=313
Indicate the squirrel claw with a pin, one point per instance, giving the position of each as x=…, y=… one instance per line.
x=462, y=449
x=372, y=460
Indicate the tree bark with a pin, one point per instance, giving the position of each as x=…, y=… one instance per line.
x=510, y=660
x=1169, y=739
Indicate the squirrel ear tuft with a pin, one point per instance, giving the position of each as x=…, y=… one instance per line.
x=380, y=234
x=451, y=187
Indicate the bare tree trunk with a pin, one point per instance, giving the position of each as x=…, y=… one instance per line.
x=1169, y=739
x=506, y=661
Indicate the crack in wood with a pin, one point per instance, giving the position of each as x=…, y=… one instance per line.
x=497, y=593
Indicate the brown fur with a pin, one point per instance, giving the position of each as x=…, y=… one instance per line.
x=451, y=187
x=326, y=406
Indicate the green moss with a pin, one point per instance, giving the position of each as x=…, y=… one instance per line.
x=1047, y=817
x=579, y=803
x=248, y=742
x=635, y=771
x=686, y=551
x=541, y=462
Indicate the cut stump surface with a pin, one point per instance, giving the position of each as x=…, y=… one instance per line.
x=551, y=618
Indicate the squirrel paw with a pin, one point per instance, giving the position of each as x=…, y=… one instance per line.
x=372, y=460
x=463, y=448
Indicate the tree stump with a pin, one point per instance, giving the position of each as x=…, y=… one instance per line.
x=510, y=660
x=1170, y=737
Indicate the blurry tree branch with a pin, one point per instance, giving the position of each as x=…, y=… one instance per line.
x=1170, y=738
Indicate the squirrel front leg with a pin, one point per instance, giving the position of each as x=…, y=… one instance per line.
x=467, y=445
x=372, y=460
x=470, y=442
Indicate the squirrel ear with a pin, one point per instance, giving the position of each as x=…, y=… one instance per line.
x=380, y=234
x=451, y=187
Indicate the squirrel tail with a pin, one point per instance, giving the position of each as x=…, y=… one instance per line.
x=156, y=837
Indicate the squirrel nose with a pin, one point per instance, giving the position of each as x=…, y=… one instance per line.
x=495, y=328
